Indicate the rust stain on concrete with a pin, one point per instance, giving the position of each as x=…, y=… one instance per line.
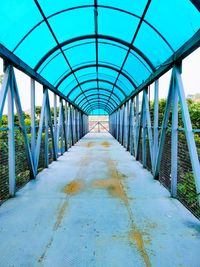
x=106, y=144
x=60, y=215
x=137, y=237
x=73, y=187
x=112, y=184
x=115, y=186
x=90, y=144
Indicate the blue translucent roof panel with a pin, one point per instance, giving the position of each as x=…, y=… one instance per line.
x=50, y=73
x=52, y=7
x=17, y=18
x=107, y=53
x=149, y=42
x=73, y=23
x=176, y=20
x=115, y=44
x=127, y=5
x=121, y=25
x=35, y=45
x=82, y=54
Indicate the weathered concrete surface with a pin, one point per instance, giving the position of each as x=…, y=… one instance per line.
x=97, y=206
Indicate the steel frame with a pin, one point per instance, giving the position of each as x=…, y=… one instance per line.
x=67, y=129
x=139, y=123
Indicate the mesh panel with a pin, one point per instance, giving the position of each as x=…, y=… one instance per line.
x=50, y=147
x=4, y=186
x=140, y=147
x=165, y=167
x=148, y=157
x=186, y=190
x=41, y=162
x=22, y=167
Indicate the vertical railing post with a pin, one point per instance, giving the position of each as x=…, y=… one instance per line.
x=65, y=126
x=137, y=126
x=155, y=121
x=11, y=140
x=33, y=121
x=144, y=132
x=55, y=124
x=188, y=129
x=46, y=150
x=71, y=125
x=174, y=142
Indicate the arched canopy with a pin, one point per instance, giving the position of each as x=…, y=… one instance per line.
x=97, y=52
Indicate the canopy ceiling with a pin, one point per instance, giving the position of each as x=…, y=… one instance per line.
x=96, y=52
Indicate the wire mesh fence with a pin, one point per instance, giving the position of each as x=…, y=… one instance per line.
x=21, y=162
x=4, y=178
x=186, y=190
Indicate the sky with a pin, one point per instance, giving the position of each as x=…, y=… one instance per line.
x=190, y=76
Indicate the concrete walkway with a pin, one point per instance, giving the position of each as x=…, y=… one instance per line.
x=97, y=206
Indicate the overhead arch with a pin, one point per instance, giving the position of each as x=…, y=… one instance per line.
x=96, y=104
x=96, y=80
x=99, y=95
x=98, y=101
x=136, y=42
x=95, y=89
x=96, y=107
x=96, y=6
x=93, y=42
x=94, y=36
x=103, y=98
x=97, y=65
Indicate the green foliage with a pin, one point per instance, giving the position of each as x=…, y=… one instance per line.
x=1, y=78
x=187, y=192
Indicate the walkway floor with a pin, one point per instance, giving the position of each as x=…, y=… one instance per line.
x=97, y=206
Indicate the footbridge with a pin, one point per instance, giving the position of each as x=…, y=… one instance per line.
x=95, y=168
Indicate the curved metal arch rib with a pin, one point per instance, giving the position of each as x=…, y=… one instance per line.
x=93, y=42
x=96, y=89
x=96, y=80
x=98, y=95
x=101, y=6
x=93, y=36
x=96, y=65
x=104, y=101
x=97, y=106
x=99, y=100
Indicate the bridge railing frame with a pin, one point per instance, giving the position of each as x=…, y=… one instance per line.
x=66, y=129
x=126, y=124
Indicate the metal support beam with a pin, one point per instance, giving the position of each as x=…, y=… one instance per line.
x=46, y=150
x=188, y=129
x=11, y=140
x=174, y=143
x=33, y=121
x=155, y=120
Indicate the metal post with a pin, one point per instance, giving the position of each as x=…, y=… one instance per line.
x=137, y=126
x=188, y=130
x=144, y=131
x=46, y=136
x=55, y=124
x=155, y=126
x=164, y=128
x=11, y=141
x=174, y=143
x=65, y=125
x=33, y=120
